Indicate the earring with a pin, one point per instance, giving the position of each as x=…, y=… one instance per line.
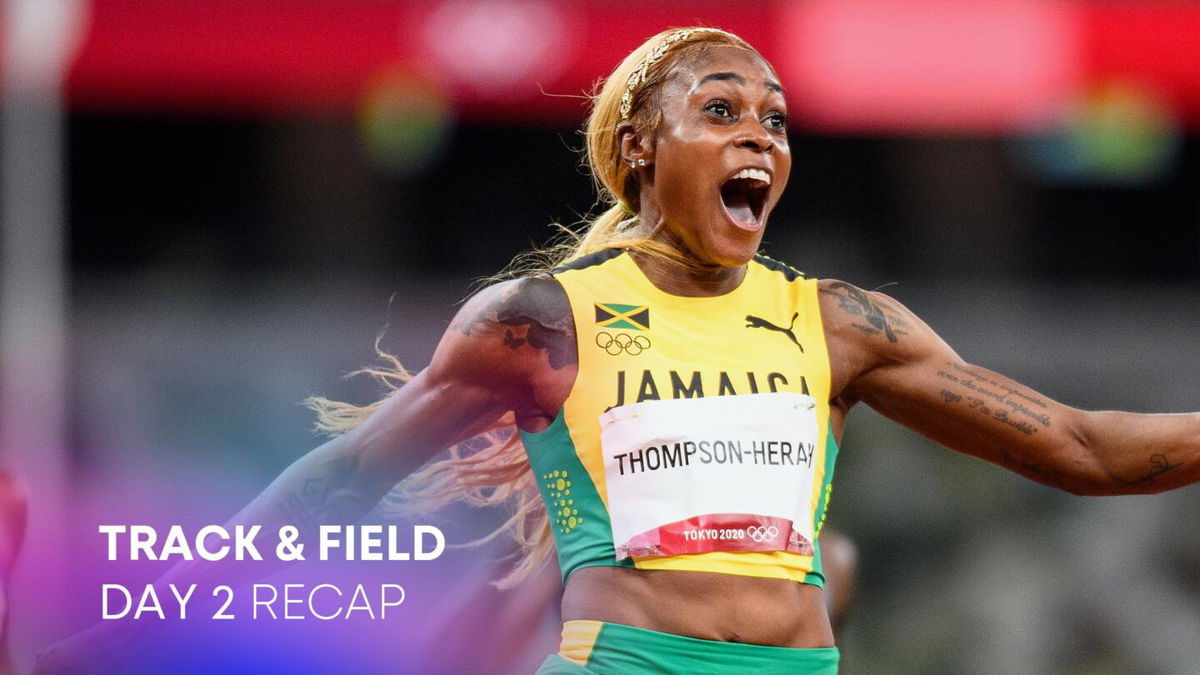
x=632, y=165
x=641, y=162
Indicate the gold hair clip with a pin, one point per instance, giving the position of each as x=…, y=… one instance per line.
x=638, y=76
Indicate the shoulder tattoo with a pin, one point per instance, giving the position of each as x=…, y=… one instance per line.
x=867, y=315
x=531, y=313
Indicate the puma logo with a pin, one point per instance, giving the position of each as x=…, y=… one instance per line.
x=756, y=322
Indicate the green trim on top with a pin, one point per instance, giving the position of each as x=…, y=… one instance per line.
x=790, y=273
x=817, y=576
x=578, y=518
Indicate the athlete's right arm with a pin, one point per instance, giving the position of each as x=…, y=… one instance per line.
x=509, y=348
x=491, y=360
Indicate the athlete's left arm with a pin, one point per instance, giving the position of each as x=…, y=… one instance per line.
x=883, y=355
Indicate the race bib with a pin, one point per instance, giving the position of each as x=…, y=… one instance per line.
x=726, y=473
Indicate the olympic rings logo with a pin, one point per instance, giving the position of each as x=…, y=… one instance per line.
x=762, y=533
x=622, y=342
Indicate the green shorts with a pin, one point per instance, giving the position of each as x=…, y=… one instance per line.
x=610, y=648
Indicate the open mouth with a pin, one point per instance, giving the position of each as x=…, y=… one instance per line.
x=744, y=195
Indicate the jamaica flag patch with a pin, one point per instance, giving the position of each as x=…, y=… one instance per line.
x=629, y=317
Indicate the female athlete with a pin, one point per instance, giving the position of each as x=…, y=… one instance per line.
x=680, y=398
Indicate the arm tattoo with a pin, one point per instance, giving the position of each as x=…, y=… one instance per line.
x=1158, y=466
x=532, y=312
x=854, y=301
x=321, y=500
x=993, y=398
x=989, y=410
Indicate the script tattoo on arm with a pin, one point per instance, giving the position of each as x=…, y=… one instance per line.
x=878, y=320
x=1086, y=453
x=532, y=312
x=996, y=400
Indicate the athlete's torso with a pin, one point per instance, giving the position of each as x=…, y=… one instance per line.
x=702, y=605
x=671, y=348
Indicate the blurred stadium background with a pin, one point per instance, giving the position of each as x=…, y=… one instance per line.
x=211, y=208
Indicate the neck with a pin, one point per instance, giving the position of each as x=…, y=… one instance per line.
x=689, y=276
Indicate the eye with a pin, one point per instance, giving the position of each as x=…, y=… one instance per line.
x=775, y=120
x=719, y=109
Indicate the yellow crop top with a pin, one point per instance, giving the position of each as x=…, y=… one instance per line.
x=696, y=435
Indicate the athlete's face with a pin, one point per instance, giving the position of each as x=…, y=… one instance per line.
x=721, y=157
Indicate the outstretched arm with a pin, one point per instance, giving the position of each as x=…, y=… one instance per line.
x=888, y=358
x=510, y=348
x=490, y=361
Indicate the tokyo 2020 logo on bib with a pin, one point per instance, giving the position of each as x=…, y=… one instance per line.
x=726, y=473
